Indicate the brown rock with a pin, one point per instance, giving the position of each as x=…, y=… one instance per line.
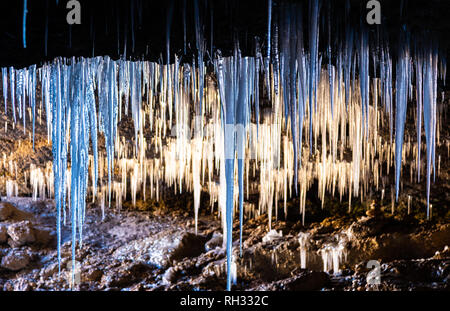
x=190, y=245
x=10, y=212
x=305, y=281
x=6, y=211
x=119, y=279
x=215, y=241
x=94, y=275
x=308, y=281
x=21, y=233
x=374, y=210
x=365, y=227
x=49, y=270
x=8, y=287
x=170, y=276
x=3, y=234
x=137, y=269
x=23, y=285
x=443, y=254
x=44, y=237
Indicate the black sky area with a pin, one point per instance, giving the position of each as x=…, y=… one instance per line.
x=105, y=24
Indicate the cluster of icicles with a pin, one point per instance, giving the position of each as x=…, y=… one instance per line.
x=284, y=120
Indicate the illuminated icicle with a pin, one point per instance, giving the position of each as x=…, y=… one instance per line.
x=20, y=94
x=419, y=61
x=45, y=87
x=12, y=86
x=92, y=113
x=242, y=111
x=258, y=65
x=443, y=69
x=269, y=30
x=302, y=92
x=80, y=122
x=289, y=69
x=314, y=8
x=348, y=55
x=24, y=24
x=388, y=94
x=5, y=88
x=228, y=83
x=200, y=53
x=136, y=99
x=108, y=113
x=429, y=112
x=364, y=78
x=196, y=163
x=401, y=85
x=74, y=110
x=59, y=148
x=32, y=96
x=302, y=81
x=276, y=61
x=329, y=55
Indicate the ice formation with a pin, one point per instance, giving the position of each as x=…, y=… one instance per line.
x=321, y=123
x=303, y=240
x=24, y=24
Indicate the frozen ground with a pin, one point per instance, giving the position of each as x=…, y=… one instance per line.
x=157, y=250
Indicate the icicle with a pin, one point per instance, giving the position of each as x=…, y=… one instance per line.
x=401, y=105
x=258, y=64
x=58, y=148
x=314, y=8
x=419, y=95
x=269, y=29
x=429, y=113
x=241, y=124
x=229, y=87
x=200, y=52
x=346, y=133
x=12, y=86
x=5, y=88
x=32, y=96
x=330, y=67
x=364, y=78
x=108, y=113
x=276, y=60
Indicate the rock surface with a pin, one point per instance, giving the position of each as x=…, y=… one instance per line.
x=6, y=210
x=20, y=234
x=190, y=245
x=16, y=260
x=306, y=281
x=3, y=234
x=159, y=251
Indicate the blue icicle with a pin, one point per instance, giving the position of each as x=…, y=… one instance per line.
x=314, y=8
x=401, y=106
x=269, y=29
x=24, y=24
x=241, y=124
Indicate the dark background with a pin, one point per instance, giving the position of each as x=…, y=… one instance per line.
x=106, y=23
